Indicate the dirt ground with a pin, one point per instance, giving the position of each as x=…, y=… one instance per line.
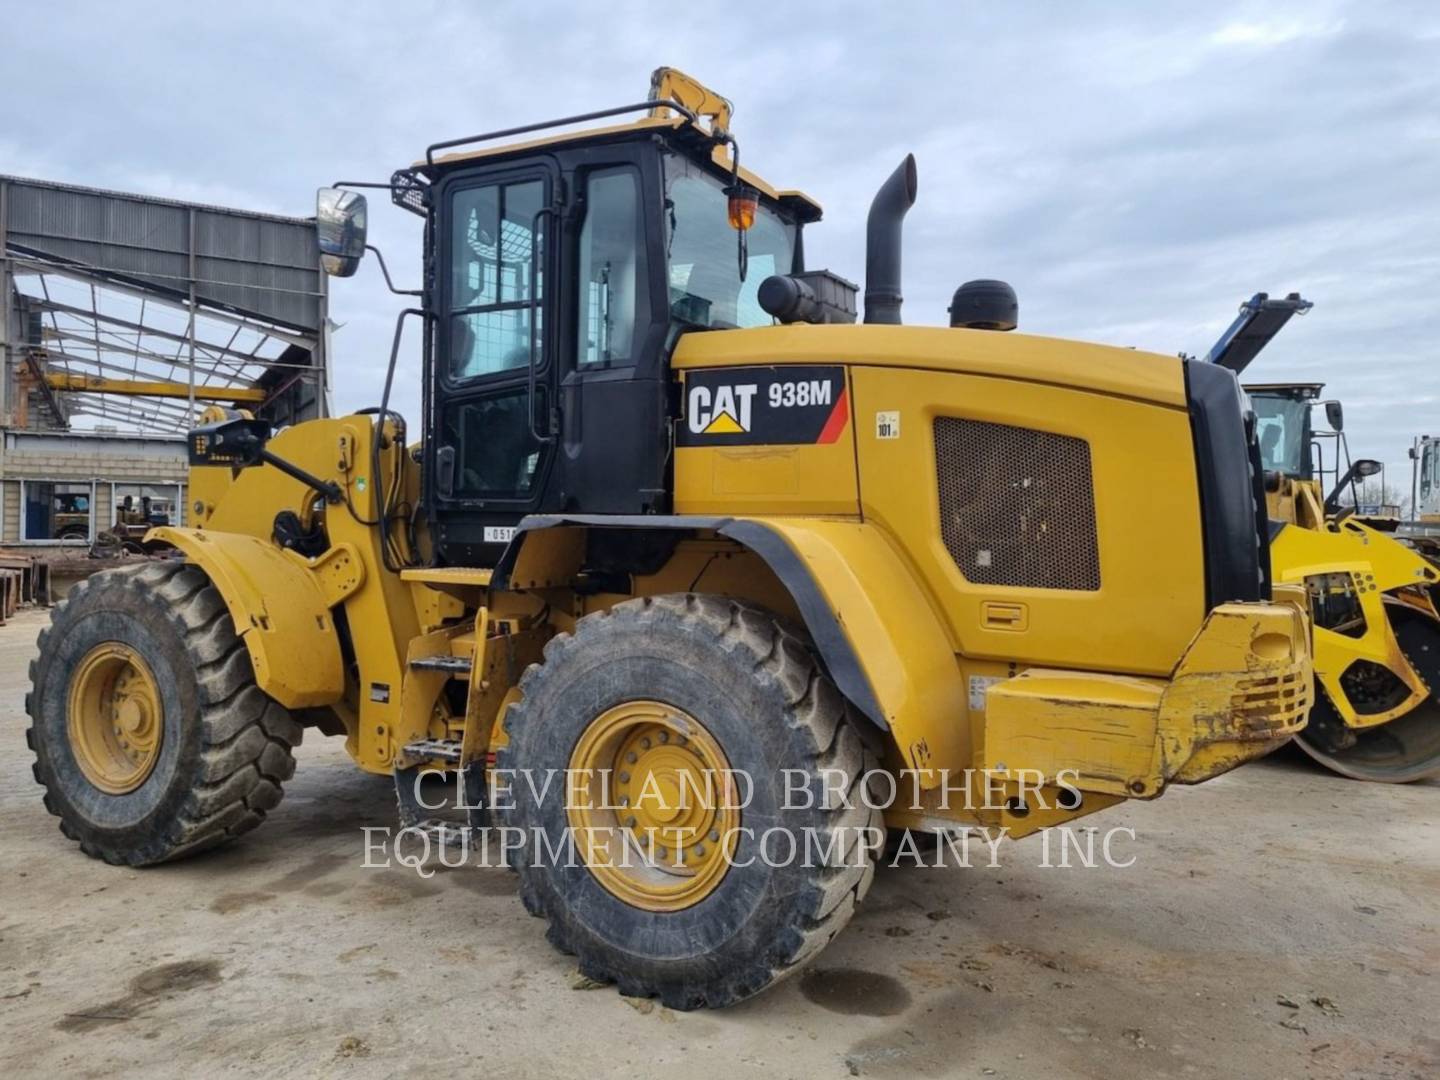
x=1278, y=922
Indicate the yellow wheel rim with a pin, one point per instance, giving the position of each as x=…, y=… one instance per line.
x=114, y=719
x=652, y=804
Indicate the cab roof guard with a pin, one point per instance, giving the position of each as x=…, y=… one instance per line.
x=644, y=106
x=1260, y=319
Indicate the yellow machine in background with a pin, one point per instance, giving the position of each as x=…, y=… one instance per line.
x=1425, y=453
x=1373, y=599
x=680, y=532
x=1422, y=531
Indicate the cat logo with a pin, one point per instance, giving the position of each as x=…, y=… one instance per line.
x=722, y=410
x=765, y=405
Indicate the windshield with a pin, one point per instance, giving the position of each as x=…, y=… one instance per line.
x=1281, y=424
x=705, y=285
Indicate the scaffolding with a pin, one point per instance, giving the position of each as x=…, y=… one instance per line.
x=131, y=313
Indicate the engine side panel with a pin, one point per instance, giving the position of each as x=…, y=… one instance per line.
x=1061, y=527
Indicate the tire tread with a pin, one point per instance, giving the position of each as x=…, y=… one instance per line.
x=814, y=708
x=247, y=738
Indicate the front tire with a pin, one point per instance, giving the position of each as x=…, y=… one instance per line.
x=150, y=736
x=700, y=682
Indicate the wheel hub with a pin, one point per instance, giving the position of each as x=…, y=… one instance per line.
x=653, y=805
x=114, y=718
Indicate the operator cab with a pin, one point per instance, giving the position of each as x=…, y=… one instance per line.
x=560, y=272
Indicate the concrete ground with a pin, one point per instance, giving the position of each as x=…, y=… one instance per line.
x=1278, y=922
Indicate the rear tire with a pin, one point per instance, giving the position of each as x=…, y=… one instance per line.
x=759, y=696
x=220, y=748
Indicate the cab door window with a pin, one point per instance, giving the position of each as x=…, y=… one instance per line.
x=497, y=277
x=496, y=456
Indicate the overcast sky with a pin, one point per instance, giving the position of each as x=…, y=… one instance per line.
x=1134, y=170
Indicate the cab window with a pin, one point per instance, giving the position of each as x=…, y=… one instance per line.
x=610, y=270
x=704, y=271
x=495, y=242
x=496, y=455
x=1281, y=424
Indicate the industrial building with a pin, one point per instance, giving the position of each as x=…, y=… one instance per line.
x=122, y=317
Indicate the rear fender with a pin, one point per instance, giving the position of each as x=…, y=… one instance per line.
x=876, y=629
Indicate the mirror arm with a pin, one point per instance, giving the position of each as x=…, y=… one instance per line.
x=386, y=271
x=1350, y=480
x=327, y=488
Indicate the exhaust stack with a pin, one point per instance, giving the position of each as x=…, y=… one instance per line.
x=882, y=244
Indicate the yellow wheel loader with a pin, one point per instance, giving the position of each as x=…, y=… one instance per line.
x=1376, y=714
x=755, y=582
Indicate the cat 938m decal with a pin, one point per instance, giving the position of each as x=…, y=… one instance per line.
x=764, y=406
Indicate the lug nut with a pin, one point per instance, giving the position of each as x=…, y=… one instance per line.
x=624, y=777
x=714, y=836
x=664, y=736
x=645, y=743
x=630, y=757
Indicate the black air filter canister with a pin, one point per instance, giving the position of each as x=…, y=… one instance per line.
x=985, y=305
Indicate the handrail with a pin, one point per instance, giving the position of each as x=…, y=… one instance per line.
x=536, y=250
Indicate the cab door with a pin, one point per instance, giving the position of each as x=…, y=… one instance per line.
x=614, y=379
x=491, y=391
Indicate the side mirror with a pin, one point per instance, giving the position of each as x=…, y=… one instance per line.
x=1368, y=467
x=1335, y=415
x=340, y=220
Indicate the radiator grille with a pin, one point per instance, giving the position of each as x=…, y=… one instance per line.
x=1017, y=507
x=1261, y=704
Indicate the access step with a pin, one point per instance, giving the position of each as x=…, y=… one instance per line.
x=446, y=750
x=455, y=665
x=457, y=816
x=444, y=833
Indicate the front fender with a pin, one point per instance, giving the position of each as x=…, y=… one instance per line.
x=1385, y=572
x=1396, y=564
x=280, y=604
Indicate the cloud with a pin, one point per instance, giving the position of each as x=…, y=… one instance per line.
x=1134, y=171
x=1274, y=32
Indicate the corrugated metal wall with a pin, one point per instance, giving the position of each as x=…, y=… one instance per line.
x=259, y=265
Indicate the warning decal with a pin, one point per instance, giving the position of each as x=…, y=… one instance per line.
x=769, y=406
